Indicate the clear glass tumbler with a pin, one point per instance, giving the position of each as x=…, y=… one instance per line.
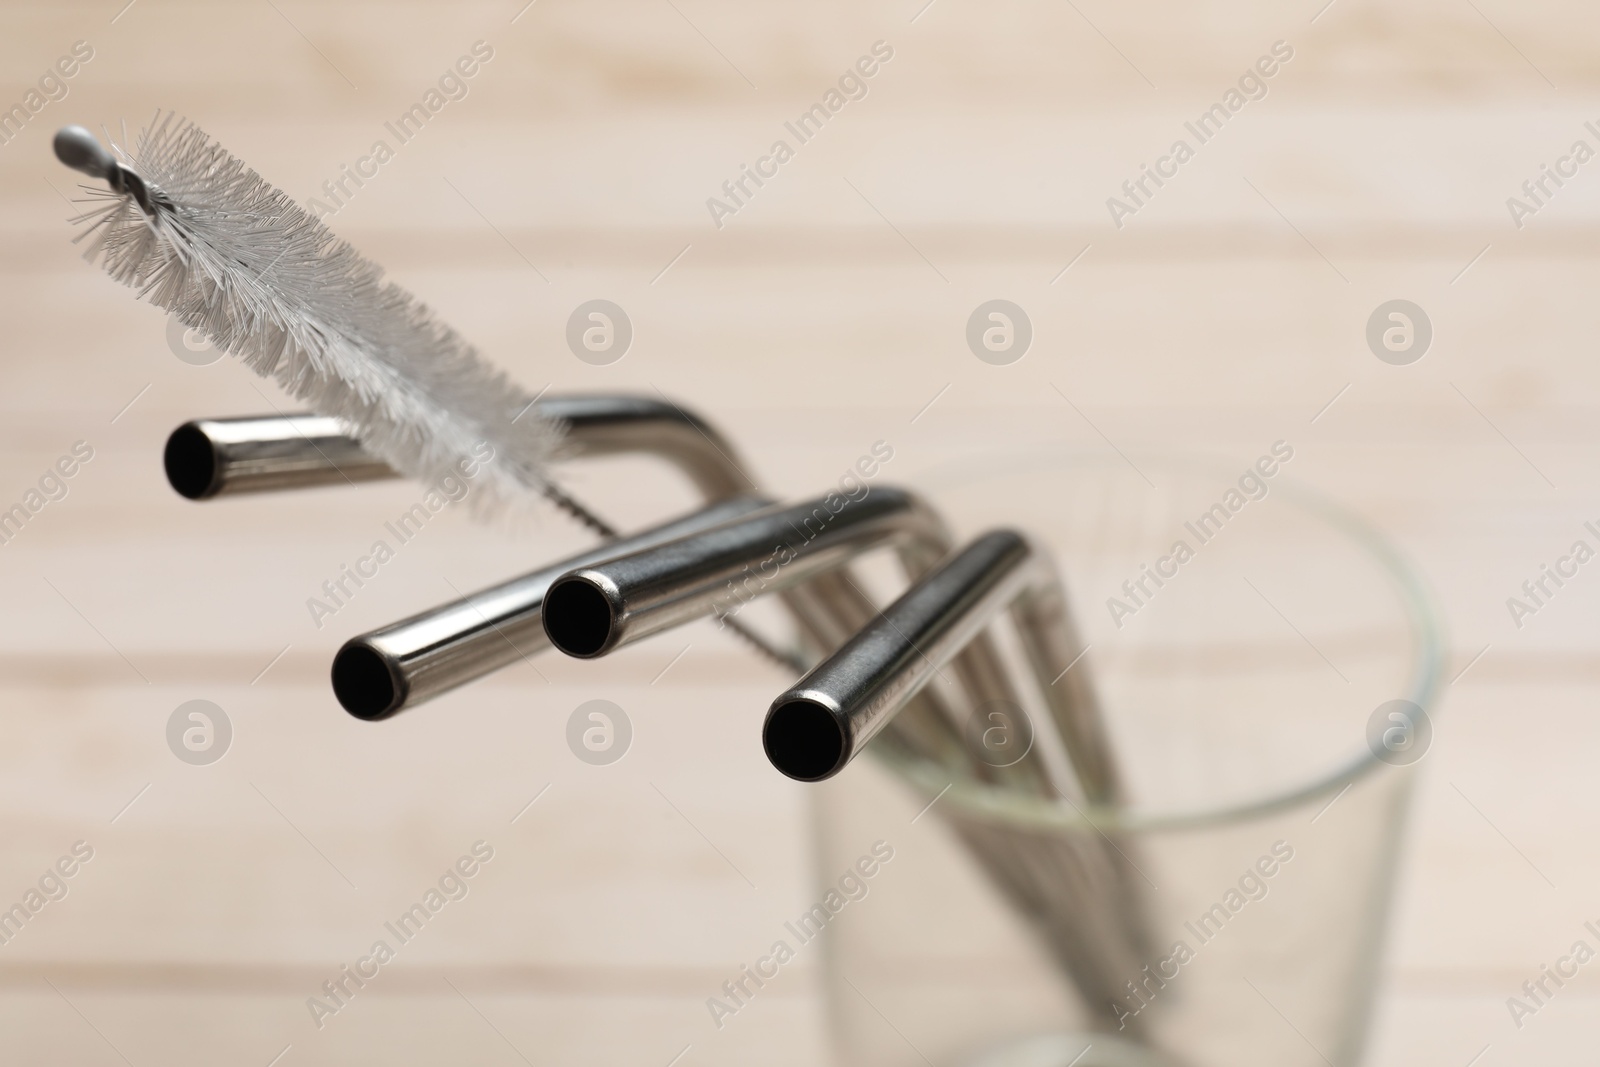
x=1263, y=701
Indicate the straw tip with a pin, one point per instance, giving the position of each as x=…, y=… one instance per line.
x=579, y=617
x=364, y=682
x=190, y=460
x=805, y=739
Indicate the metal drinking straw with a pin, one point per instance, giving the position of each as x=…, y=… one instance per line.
x=378, y=674
x=819, y=724
x=598, y=608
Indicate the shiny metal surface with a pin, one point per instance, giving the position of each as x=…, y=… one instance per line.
x=872, y=676
x=381, y=673
x=596, y=609
x=261, y=453
x=378, y=674
x=1084, y=894
x=609, y=424
x=1055, y=651
x=209, y=457
x=814, y=728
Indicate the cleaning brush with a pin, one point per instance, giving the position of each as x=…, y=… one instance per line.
x=197, y=233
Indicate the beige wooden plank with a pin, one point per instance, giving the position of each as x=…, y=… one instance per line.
x=809, y=328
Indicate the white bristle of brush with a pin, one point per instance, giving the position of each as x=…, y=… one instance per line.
x=201, y=235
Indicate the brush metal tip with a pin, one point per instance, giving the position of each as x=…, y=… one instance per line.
x=81, y=150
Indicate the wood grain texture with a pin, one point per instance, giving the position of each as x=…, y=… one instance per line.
x=823, y=316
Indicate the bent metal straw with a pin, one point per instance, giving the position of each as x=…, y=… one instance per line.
x=196, y=232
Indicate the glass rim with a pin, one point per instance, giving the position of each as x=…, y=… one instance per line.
x=1422, y=688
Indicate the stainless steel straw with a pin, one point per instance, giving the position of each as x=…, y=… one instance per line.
x=819, y=724
x=209, y=457
x=601, y=607
x=842, y=703
x=264, y=453
x=814, y=728
x=596, y=609
x=401, y=665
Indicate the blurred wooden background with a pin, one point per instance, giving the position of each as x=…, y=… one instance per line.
x=826, y=315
